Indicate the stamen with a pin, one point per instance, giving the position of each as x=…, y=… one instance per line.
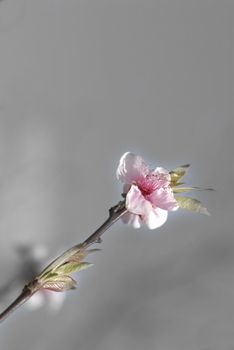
x=151, y=182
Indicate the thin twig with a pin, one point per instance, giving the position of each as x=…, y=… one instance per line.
x=20, y=300
x=32, y=287
x=114, y=214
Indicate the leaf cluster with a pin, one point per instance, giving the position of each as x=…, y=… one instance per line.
x=186, y=203
x=56, y=276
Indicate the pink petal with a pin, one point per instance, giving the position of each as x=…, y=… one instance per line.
x=163, y=176
x=136, y=202
x=131, y=168
x=155, y=218
x=164, y=199
x=132, y=219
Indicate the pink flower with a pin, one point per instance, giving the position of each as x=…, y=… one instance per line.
x=149, y=196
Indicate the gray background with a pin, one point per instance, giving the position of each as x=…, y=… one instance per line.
x=81, y=82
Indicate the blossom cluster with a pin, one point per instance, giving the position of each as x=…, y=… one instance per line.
x=151, y=194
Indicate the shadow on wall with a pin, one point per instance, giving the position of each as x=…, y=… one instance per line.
x=31, y=261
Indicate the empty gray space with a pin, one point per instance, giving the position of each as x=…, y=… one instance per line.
x=82, y=82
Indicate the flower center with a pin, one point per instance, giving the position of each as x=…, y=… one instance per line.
x=152, y=182
x=148, y=184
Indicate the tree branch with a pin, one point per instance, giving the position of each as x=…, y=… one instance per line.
x=34, y=286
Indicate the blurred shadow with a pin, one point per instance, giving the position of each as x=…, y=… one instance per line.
x=30, y=259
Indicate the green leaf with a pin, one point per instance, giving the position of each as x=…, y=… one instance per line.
x=68, y=262
x=72, y=266
x=178, y=173
x=191, y=204
x=189, y=189
x=93, y=250
x=61, y=260
x=47, y=276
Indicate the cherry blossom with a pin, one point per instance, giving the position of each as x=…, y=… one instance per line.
x=149, y=196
